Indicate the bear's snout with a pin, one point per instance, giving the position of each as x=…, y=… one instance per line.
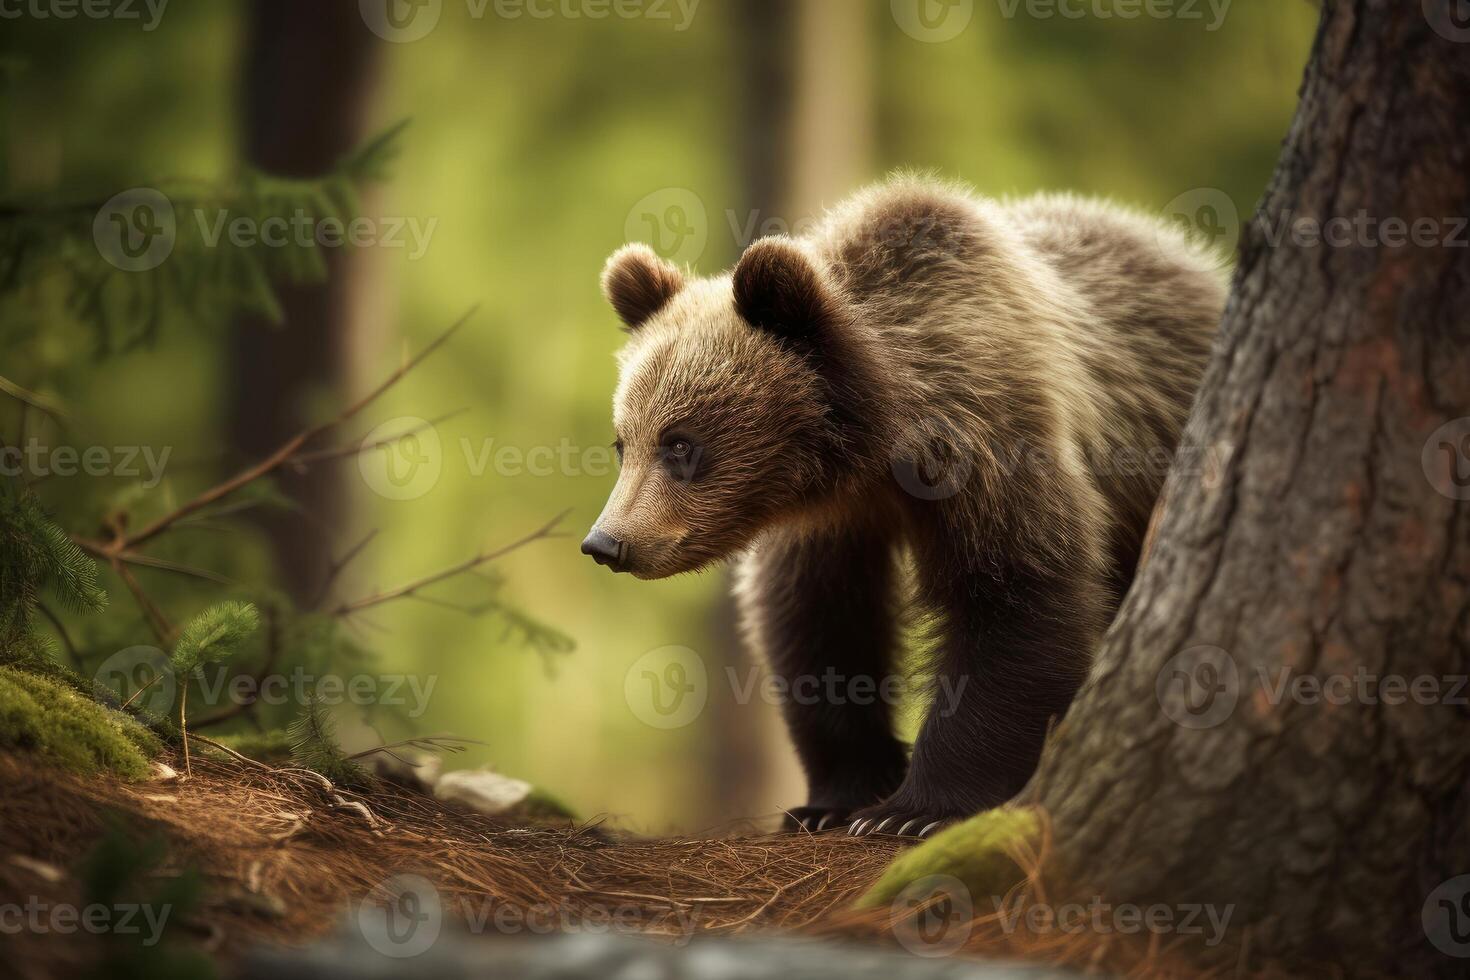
x=605, y=549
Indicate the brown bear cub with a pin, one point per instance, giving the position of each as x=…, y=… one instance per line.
x=932, y=393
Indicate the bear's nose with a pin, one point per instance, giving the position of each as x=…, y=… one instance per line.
x=605, y=549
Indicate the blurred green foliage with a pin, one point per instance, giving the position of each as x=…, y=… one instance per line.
x=531, y=142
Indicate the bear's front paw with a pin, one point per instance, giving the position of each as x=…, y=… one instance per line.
x=903, y=820
x=814, y=818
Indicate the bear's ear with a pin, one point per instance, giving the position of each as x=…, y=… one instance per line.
x=638, y=283
x=779, y=290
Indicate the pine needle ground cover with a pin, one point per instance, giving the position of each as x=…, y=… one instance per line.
x=284, y=858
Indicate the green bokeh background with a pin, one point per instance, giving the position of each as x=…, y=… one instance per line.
x=532, y=141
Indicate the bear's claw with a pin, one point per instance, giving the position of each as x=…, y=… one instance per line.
x=814, y=819
x=902, y=824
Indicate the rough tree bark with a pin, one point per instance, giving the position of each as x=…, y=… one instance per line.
x=1330, y=540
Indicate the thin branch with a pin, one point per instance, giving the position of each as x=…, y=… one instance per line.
x=31, y=398
x=164, y=565
x=283, y=455
x=547, y=530
x=162, y=628
x=303, y=460
x=139, y=692
x=429, y=743
x=338, y=565
x=228, y=751
x=474, y=611
x=71, y=648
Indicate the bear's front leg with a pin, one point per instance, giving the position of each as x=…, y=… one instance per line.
x=1016, y=644
x=822, y=611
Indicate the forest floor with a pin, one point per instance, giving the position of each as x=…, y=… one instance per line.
x=284, y=858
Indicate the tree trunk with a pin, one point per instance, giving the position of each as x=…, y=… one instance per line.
x=1327, y=542
x=308, y=75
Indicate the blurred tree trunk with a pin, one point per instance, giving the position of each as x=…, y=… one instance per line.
x=832, y=118
x=1332, y=541
x=307, y=84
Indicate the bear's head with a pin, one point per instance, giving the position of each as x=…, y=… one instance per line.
x=742, y=399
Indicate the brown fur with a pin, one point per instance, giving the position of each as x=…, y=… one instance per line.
x=1025, y=352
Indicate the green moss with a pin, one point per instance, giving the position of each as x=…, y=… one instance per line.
x=42, y=715
x=977, y=852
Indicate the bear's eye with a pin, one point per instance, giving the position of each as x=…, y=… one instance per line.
x=618, y=446
x=680, y=455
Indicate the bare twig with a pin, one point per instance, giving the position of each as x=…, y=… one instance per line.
x=429, y=743
x=164, y=565
x=303, y=460
x=410, y=588
x=71, y=648
x=228, y=751
x=184, y=725
x=139, y=692
x=39, y=402
x=339, y=565
x=283, y=455
x=162, y=628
